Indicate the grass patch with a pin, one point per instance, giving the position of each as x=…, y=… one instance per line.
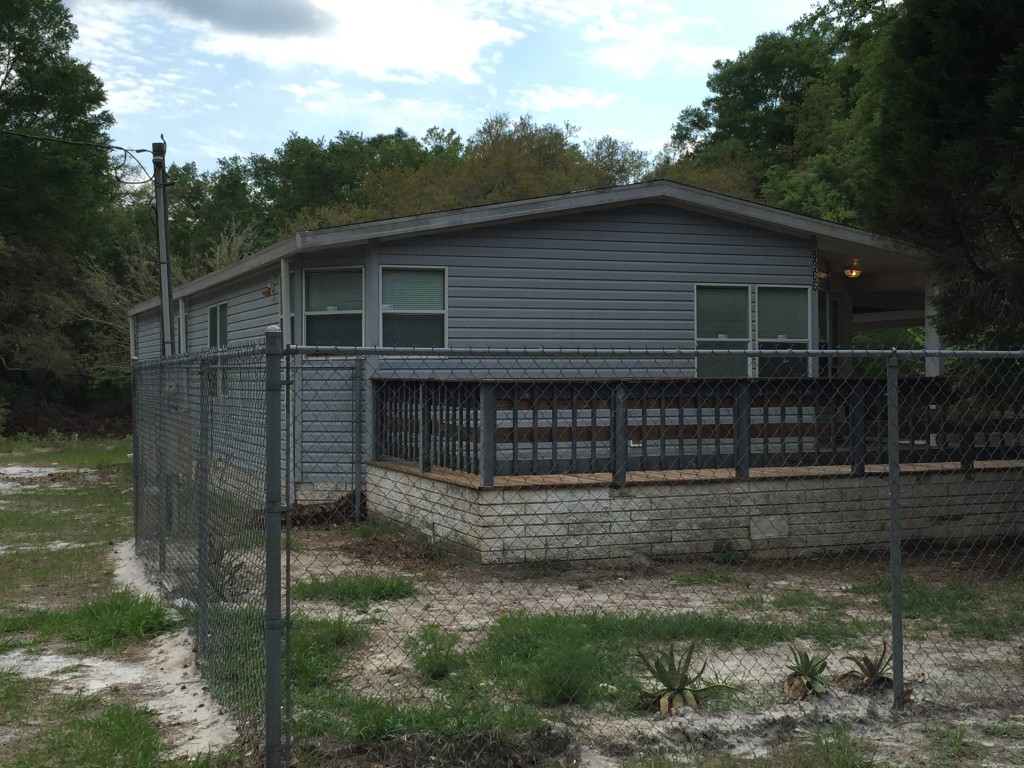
x=355, y=591
x=952, y=744
x=566, y=669
x=966, y=609
x=434, y=652
x=61, y=731
x=60, y=577
x=708, y=578
x=20, y=697
x=232, y=659
x=110, y=623
x=807, y=600
x=67, y=451
x=117, y=735
x=460, y=729
x=320, y=647
x=547, y=657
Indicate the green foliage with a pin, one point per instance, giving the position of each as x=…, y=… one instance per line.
x=947, y=144
x=493, y=732
x=109, y=623
x=81, y=732
x=355, y=591
x=870, y=671
x=319, y=647
x=680, y=684
x=564, y=669
x=434, y=652
x=806, y=674
x=978, y=609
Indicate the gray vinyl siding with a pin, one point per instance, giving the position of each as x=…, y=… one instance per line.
x=327, y=436
x=249, y=312
x=147, y=336
x=618, y=277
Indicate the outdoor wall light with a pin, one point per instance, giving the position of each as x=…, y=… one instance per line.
x=853, y=271
x=269, y=289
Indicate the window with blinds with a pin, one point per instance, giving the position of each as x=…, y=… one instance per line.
x=413, y=308
x=783, y=322
x=726, y=317
x=334, y=308
x=218, y=326
x=723, y=322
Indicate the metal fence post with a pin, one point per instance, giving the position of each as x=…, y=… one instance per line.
x=137, y=457
x=163, y=486
x=358, y=426
x=273, y=624
x=741, y=428
x=203, y=507
x=488, y=428
x=895, y=529
x=858, y=431
x=424, y=433
x=620, y=436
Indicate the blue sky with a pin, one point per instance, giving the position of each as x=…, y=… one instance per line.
x=225, y=77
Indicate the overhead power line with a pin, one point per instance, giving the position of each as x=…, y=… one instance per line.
x=129, y=153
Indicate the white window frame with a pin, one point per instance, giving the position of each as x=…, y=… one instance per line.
x=304, y=298
x=214, y=309
x=407, y=268
x=755, y=320
x=698, y=339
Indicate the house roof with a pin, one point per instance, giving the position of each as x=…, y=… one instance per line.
x=836, y=240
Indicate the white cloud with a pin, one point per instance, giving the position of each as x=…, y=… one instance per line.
x=327, y=97
x=419, y=41
x=634, y=45
x=547, y=98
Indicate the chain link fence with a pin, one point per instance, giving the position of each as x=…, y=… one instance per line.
x=496, y=556
x=500, y=557
x=199, y=462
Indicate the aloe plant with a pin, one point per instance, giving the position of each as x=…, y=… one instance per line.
x=806, y=675
x=870, y=671
x=679, y=685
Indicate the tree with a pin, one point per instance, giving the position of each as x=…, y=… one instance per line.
x=56, y=188
x=785, y=120
x=949, y=149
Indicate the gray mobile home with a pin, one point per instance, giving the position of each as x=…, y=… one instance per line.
x=648, y=266
x=645, y=265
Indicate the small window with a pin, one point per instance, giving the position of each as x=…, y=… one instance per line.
x=723, y=322
x=783, y=322
x=219, y=326
x=334, y=308
x=413, y=308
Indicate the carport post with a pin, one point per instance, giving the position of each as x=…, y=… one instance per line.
x=272, y=619
x=895, y=530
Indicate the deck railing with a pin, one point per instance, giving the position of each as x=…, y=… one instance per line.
x=512, y=428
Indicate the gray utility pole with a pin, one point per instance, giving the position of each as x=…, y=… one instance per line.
x=160, y=183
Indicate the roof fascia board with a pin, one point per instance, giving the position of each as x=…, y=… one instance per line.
x=712, y=203
x=259, y=260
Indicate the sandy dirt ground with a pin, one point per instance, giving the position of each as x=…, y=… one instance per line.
x=160, y=675
x=962, y=681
